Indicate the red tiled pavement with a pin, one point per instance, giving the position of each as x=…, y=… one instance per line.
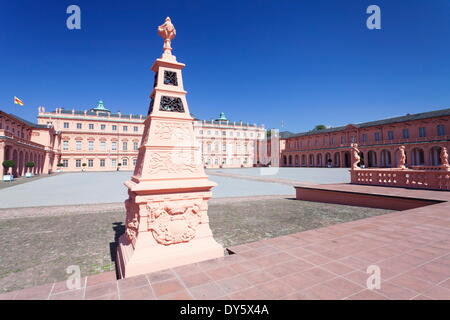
x=411, y=247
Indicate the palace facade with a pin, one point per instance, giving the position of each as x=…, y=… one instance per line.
x=23, y=141
x=95, y=139
x=99, y=140
x=228, y=144
x=423, y=135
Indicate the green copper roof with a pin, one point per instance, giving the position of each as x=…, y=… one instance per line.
x=222, y=117
x=100, y=107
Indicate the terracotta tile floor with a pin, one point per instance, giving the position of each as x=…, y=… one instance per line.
x=412, y=249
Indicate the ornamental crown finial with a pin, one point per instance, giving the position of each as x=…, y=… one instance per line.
x=168, y=32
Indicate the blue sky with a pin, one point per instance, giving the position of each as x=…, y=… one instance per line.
x=303, y=62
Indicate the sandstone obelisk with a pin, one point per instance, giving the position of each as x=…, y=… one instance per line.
x=167, y=221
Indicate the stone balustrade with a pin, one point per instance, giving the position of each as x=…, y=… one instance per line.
x=436, y=179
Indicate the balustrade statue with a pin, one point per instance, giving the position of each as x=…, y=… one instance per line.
x=401, y=157
x=355, y=156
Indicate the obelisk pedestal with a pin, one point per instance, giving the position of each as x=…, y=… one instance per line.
x=167, y=221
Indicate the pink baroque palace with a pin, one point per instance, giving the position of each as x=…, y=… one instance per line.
x=23, y=141
x=99, y=140
x=423, y=135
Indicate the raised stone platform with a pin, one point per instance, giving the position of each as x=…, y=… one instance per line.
x=371, y=196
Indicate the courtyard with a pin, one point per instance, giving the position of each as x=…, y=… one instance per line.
x=49, y=244
x=107, y=187
x=242, y=210
x=75, y=219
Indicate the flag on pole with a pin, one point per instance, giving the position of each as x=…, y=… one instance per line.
x=18, y=101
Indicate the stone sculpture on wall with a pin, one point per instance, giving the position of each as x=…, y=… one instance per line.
x=444, y=158
x=401, y=157
x=355, y=156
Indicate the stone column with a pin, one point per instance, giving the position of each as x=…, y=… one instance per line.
x=426, y=156
x=379, y=162
x=167, y=222
x=366, y=159
x=2, y=156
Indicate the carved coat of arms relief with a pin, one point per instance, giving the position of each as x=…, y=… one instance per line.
x=174, y=222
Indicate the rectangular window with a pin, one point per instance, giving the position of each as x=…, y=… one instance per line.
x=440, y=130
x=91, y=126
x=405, y=133
x=79, y=125
x=102, y=162
x=66, y=125
x=102, y=126
x=390, y=135
x=102, y=145
x=342, y=139
x=364, y=137
x=124, y=146
x=134, y=161
x=65, y=163
x=125, y=162
x=113, y=162
x=135, y=129
x=135, y=146
x=422, y=132
x=114, y=127
x=114, y=146
x=78, y=163
x=91, y=145
x=125, y=128
x=65, y=145
x=377, y=136
x=224, y=147
x=90, y=163
x=78, y=145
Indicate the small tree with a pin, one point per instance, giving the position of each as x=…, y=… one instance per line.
x=60, y=165
x=29, y=164
x=84, y=164
x=320, y=127
x=8, y=164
